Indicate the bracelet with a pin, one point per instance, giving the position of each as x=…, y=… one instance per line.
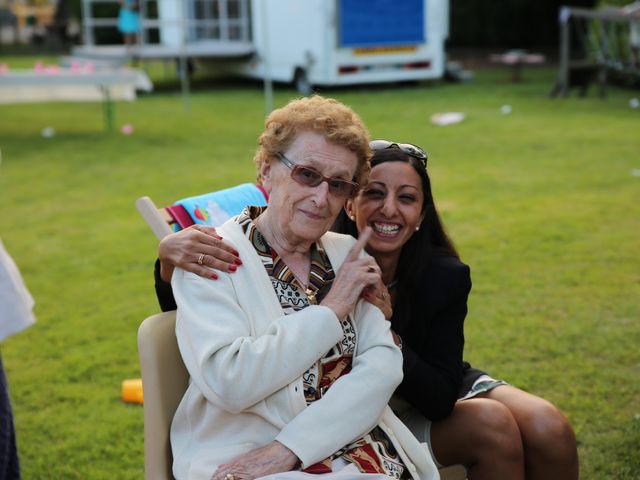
x=399, y=340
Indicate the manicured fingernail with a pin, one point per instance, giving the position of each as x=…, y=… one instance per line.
x=232, y=268
x=235, y=252
x=214, y=276
x=238, y=261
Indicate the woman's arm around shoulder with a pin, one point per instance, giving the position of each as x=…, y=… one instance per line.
x=197, y=249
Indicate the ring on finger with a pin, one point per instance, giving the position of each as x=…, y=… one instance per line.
x=201, y=258
x=229, y=476
x=385, y=295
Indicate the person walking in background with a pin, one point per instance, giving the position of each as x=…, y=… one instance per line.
x=129, y=21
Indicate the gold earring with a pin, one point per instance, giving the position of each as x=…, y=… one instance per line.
x=353, y=218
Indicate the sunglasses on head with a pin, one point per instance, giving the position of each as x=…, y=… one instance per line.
x=408, y=148
x=310, y=177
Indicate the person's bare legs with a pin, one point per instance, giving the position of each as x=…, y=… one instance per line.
x=483, y=436
x=549, y=442
x=130, y=39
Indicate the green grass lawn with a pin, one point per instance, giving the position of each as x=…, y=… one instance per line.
x=544, y=204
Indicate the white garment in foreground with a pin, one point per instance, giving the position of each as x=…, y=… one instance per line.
x=16, y=303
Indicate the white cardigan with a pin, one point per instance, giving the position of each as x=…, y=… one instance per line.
x=246, y=360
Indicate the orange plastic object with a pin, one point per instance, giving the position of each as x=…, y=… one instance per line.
x=132, y=390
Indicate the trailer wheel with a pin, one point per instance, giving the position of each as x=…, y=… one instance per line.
x=301, y=82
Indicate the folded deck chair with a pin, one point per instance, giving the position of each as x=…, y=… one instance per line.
x=209, y=209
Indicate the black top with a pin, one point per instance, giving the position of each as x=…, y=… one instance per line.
x=431, y=327
x=433, y=340
x=163, y=290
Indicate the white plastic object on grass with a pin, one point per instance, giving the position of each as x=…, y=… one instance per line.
x=634, y=103
x=447, y=118
x=48, y=132
x=506, y=109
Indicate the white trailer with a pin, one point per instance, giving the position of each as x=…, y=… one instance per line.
x=345, y=42
x=309, y=42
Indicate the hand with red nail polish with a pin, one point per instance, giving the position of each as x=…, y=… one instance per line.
x=197, y=249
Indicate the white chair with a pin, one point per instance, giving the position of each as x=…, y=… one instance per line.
x=164, y=381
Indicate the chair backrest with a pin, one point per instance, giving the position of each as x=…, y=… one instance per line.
x=164, y=381
x=209, y=209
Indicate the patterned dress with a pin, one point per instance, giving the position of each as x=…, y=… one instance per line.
x=374, y=452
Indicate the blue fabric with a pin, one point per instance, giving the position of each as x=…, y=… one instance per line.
x=128, y=18
x=217, y=207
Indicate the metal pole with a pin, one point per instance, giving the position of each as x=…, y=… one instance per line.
x=565, y=38
x=108, y=108
x=223, y=19
x=184, y=74
x=268, y=84
x=87, y=24
x=144, y=34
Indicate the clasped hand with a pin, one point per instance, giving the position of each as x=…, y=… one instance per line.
x=267, y=460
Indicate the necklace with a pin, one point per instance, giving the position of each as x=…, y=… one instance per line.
x=311, y=296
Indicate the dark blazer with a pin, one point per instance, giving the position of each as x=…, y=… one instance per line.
x=433, y=337
x=163, y=290
x=432, y=342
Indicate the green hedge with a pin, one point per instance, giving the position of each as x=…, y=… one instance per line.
x=507, y=23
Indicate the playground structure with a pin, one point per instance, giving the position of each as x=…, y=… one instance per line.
x=608, y=44
x=315, y=42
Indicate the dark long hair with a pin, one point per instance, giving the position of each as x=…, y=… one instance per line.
x=429, y=241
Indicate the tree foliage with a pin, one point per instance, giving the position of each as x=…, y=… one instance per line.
x=614, y=3
x=507, y=23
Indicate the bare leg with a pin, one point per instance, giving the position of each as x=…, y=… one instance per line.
x=482, y=435
x=549, y=442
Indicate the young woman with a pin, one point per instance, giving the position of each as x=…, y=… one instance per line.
x=495, y=430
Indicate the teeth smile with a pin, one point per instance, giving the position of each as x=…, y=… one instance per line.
x=386, y=228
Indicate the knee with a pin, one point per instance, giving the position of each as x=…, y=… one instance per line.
x=498, y=429
x=547, y=429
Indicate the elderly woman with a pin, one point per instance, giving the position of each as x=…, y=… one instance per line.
x=290, y=370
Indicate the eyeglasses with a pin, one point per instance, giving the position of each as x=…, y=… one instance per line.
x=310, y=177
x=408, y=148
